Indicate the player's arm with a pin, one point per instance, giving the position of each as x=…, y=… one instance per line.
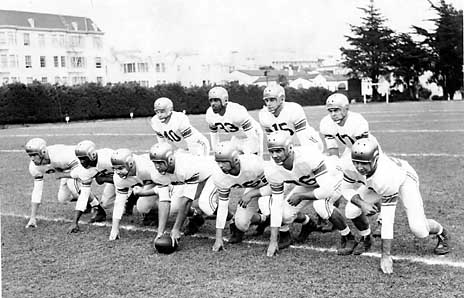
x=118, y=210
x=213, y=133
x=36, y=195
x=221, y=218
x=81, y=203
x=159, y=135
x=387, y=213
x=276, y=216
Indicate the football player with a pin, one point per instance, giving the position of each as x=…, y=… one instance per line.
x=394, y=179
x=239, y=171
x=53, y=159
x=174, y=127
x=193, y=174
x=138, y=173
x=224, y=116
x=287, y=116
x=317, y=180
x=341, y=128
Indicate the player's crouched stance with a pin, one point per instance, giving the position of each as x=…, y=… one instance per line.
x=241, y=171
x=53, y=159
x=394, y=179
x=317, y=179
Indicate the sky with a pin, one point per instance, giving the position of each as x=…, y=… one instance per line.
x=299, y=28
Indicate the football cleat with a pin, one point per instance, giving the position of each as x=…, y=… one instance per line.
x=306, y=229
x=99, y=214
x=364, y=245
x=442, y=247
x=236, y=234
x=166, y=244
x=347, y=245
x=262, y=226
x=285, y=239
x=194, y=224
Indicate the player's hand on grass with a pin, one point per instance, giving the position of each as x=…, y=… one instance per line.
x=218, y=245
x=73, y=229
x=175, y=234
x=114, y=234
x=294, y=199
x=386, y=264
x=32, y=223
x=272, y=249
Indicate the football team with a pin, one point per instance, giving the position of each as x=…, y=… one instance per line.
x=184, y=177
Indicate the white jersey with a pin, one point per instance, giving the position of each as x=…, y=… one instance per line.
x=292, y=119
x=102, y=167
x=251, y=175
x=190, y=169
x=310, y=169
x=62, y=159
x=177, y=130
x=343, y=137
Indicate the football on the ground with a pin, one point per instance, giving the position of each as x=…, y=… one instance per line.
x=166, y=244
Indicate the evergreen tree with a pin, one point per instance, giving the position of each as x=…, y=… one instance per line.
x=371, y=47
x=445, y=44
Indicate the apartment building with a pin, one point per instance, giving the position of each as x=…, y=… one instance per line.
x=50, y=48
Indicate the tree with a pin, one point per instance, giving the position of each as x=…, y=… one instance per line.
x=445, y=44
x=410, y=60
x=371, y=47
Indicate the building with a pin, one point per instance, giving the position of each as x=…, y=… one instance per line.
x=50, y=48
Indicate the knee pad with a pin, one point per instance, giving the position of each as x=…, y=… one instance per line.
x=323, y=208
x=419, y=230
x=352, y=211
x=241, y=220
x=145, y=204
x=208, y=204
x=288, y=215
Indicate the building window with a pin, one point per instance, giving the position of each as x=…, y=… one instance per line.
x=62, y=41
x=13, y=61
x=143, y=83
x=56, y=62
x=157, y=67
x=77, y=62
x=63, y=61
x=44, y=80
x=97, y=42
x=178, y=67
x=76, y=41
x=12, y=38
x=55, y=40
x=64, y=80
x=129, y=67
x=27, y=39
x=57, y=80
x=14, y=79
x=42, y=40
x=2, y=38
x=4, y=61
x=98, y=62
x=29, y=80
x=28, y=61
x=142, y=67
x=42, y=61
x=163, y=67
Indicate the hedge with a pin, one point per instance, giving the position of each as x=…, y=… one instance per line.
x=39, y=103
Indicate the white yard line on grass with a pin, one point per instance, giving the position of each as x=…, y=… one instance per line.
x=427, y=261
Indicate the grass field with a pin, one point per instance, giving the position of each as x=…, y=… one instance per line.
x=47, y=262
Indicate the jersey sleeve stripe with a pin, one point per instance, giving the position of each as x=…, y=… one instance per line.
x=213, y=128
x=362, y=136
x=246, y=125
x=320, y=169
x=391, y=199
x=300, y=125
x=277, y=188
x=186, y=132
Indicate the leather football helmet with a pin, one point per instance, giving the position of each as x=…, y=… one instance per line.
x=337, y=100
x=36, y=146
x=163, y=152
x=86, y=151
x=365, y=150
x=163, y=107
x=123, y=158
x=274, y=91
x=227, y=152
x=219, y=92
x=280, y=140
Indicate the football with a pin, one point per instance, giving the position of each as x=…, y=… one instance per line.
x=166, y=244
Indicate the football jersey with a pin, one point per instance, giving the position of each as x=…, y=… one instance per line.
x=62, y=159
x=175, y=130
x=309, y=165
x=251, y=175
x=389, y=176
x=345, y=136
x=190, y=169
x=103, y=166
x=291, y=118
x=236, y=117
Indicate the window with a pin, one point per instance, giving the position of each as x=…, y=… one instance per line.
x=62, y=41
x=163, y=67
x=157, y=67
x=55, y=40
x=56, y=63
x=63, y=61
x=42, y=61
x=28, y=61
x=129, y=67
x=77, y=62
x=142, y=67
x=14, y=79
x=2, y=38
x=97, y=42
x=13, y=61
x=3, y=61
x=29, y=80
x=64, y=80
x=98, y=62
x=42, y=40
x=57, y=80
x=12, y=38
x=76, y=41
x=44, y=80
x=143, y=83
x=27, y=39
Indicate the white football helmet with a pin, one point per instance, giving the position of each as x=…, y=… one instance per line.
x=163, y=107
x=122, y=158
x=86, y=151
x=366, y=150
x=220, y=93
x=36, y=146
x=227, y=152
x=276, y=92
x=280, y=140
x=337, y=100
x=163, y=153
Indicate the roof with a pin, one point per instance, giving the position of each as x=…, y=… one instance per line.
x=336, y=78
x=46, y=21
x=259, y=73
